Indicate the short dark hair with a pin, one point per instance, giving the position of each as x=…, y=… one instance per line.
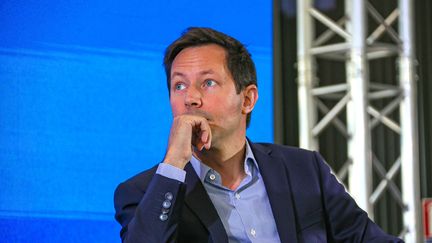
x=238, y=58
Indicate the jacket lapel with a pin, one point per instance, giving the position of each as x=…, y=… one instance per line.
x=198, y=201
x=276, y=181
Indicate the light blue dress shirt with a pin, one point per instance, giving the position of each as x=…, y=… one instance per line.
x=245, y=212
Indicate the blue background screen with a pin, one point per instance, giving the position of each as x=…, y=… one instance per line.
x=84, y=104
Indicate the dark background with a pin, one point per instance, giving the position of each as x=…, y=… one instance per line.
x=385, y=143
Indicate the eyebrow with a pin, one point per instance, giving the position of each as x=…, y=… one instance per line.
x=177, y=74
x=207, y=72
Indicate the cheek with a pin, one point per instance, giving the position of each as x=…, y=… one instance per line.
x=177, y=108
x=229, y=104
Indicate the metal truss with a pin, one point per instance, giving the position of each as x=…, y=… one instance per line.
x=355, y=96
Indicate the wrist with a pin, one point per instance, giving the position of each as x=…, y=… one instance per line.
x=175, y=162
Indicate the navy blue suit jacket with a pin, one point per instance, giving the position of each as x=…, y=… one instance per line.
x=308, y=203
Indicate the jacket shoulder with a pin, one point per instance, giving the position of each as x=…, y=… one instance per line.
x=297, y=160
x=284, y=150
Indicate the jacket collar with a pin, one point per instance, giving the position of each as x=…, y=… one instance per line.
x=276, y=180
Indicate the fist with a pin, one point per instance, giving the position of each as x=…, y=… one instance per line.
x=187, y=131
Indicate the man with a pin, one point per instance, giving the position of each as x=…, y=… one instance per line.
x=214, y=185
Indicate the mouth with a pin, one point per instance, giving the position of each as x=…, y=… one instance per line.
x=203, y=114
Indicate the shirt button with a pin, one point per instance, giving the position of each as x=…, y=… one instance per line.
x=212, y=177
x=253, y=232
x=166, y=204
x=237, y=195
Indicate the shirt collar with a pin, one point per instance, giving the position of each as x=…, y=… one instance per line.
x=202, y=169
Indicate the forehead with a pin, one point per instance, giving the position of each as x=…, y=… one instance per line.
x=204, y=55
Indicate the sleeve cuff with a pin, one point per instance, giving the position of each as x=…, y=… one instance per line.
x=171, y=172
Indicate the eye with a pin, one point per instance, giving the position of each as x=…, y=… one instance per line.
x=209, y=83
x=180, y=86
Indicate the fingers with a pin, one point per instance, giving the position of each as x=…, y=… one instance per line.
x=187, y=131
x=201, y=133
x=205, y=135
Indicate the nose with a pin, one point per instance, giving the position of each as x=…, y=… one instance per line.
x=193, y=97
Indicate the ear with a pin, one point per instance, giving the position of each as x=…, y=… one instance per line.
x=250, y=94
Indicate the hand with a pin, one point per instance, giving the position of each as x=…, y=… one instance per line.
x=187, y=131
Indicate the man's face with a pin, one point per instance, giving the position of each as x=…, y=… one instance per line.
x=202, y=85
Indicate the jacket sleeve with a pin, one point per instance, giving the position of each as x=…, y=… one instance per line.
x=345, y=220
x=149, y=214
